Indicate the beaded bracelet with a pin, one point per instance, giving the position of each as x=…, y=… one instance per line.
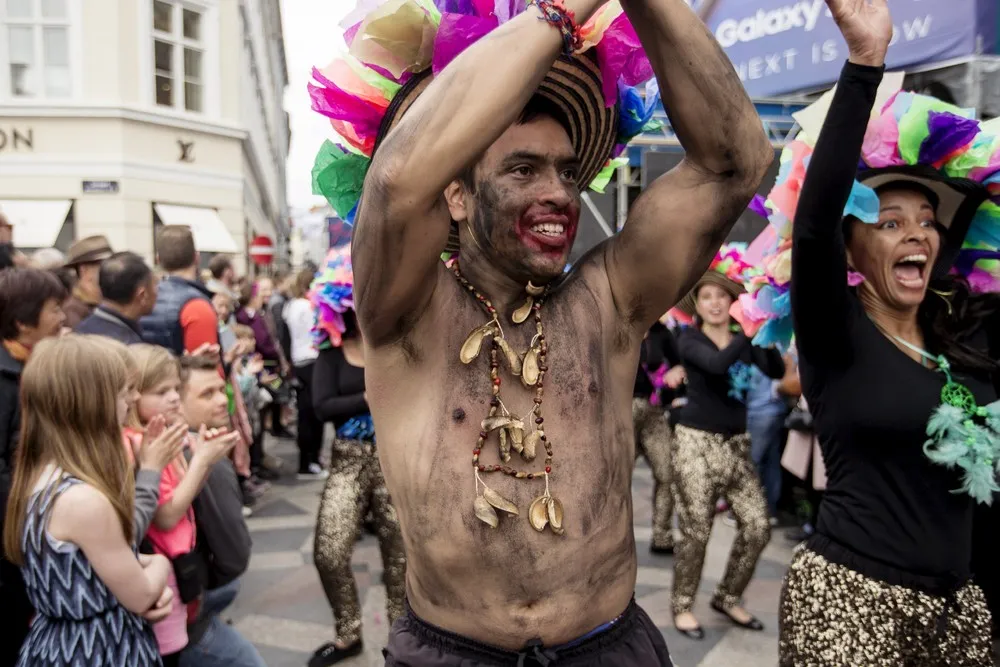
x=556, y=13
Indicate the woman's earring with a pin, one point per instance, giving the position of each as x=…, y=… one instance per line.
x=854, y=278
x=945, y=296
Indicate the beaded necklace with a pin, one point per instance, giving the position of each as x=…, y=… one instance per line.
x=523, y=435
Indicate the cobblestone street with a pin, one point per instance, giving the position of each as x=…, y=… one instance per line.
x=282, y=608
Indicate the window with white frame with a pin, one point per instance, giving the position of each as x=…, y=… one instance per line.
x=37, y=38
x=178, y=55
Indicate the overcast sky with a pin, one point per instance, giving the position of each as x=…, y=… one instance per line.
x=312, y=37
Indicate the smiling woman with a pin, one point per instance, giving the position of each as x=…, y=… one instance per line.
x=900, y=373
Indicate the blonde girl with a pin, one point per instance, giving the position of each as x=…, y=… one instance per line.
x=150, y=449
x=70, y=512
x=173, y=530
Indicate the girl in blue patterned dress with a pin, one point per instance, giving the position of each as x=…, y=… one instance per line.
x=69, y=517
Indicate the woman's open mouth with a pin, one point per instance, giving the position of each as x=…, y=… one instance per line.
x=909, y=271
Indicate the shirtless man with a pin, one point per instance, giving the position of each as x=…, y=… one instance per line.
x=459, y=153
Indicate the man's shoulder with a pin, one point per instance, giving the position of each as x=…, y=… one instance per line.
x=88, y=325
x=197, y=308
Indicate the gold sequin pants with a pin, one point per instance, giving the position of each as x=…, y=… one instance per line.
x=653, y=440
x=354, y=488
x=708, y=466
x=832, y=616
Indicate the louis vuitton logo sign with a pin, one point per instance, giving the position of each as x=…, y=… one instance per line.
x=187, y=150
x=17, y=139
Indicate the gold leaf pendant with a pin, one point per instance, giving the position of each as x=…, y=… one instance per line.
x=513, y=358
x=529, y=368
x=546, y=511
x=504, y=446
x=554, y=510
x=493, y=423
x=485, y=512
x=538, y=515
x=499, y=502
x=530, y=445
x=522, y=313
x=474, y=343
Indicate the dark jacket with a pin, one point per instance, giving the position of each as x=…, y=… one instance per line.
x=106, y=322
x=10, y=420
x=77, y=310
x=266, y=345
x=163, y=326
x=276, y=309
x=11, y=584
x=223, y=540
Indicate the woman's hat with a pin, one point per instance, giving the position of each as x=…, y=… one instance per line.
x=955, y=201
x=725, y=271
x=397, y=48
x=912, y=140
x=332, y=295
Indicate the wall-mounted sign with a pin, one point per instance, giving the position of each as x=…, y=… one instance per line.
x=106, y=187
x=262, y=250
x=187, y=150
x=17, y=139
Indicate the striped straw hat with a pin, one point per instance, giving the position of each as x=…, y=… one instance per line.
x=573, y=85
x=396, y=47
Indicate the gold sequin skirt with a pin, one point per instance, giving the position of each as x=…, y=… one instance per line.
x=833, y=616
x=653, y=438
x=354, y=487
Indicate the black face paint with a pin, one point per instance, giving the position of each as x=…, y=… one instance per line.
x=487, y=212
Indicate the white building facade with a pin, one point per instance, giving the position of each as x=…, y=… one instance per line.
x=120, y=115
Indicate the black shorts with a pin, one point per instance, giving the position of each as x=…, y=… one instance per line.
x=632, y=640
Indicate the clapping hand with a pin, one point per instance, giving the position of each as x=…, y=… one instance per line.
x=208, y=350
x=160, y=444
x=866, y=26
x=254, y=365
x=214, y=444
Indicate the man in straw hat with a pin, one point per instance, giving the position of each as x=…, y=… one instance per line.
x=85, y=257
x=509, y=450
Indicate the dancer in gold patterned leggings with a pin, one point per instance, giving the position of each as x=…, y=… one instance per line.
x=712, y=449
x=653, y=433
x=652, y=440
x=355, y=486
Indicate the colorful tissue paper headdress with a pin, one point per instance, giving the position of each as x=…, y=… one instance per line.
x=727, y=270
x=911, y=137
x=397, y=46
x=332, y=295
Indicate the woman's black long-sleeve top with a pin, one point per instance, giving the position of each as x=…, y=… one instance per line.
x=885, y=500
x=338, y=388
x=710, y=405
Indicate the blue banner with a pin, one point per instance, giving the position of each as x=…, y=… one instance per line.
x=782, y=46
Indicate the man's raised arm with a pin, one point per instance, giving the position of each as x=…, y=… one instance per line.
x=402, y=223
x=679, y=222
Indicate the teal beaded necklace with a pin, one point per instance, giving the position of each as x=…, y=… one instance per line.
x=962, y=433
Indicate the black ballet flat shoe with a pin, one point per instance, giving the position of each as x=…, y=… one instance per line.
x=328, y=654
x=752, y=624
x=661, y=551
x=695, y=633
